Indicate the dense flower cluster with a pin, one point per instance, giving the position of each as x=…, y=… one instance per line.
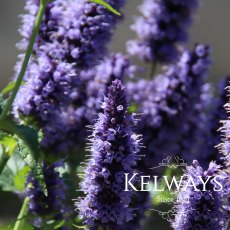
x=73, y=35
x=171, y=105
x=46, y=208
x=203, y=209
x=216, y=114
x=162, y=27
x=114, y=152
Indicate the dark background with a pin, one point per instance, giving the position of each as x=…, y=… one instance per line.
x=211, y=25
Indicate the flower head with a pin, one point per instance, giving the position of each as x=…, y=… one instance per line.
x=201, y=208
x=162, y=26
x=172, y=107
x=114, y=152
x=73, y=36
x=224, y=146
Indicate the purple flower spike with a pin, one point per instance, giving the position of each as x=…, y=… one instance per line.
x=224, y=147
x=161, y=28
x=201, y=208
x=52, y=206
x=74, y=35
x=114, y=151
x=172, y=107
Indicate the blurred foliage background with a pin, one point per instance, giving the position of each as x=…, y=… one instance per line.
x=211, y=26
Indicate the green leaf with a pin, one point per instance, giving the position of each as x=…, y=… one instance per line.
x=7, y=147
x=9, y=143
x=27, y=134
x=80, y=227
x=9, y=88
x=28, y=148
x=2, y=103
x=106, y=5
x=59, y=225
x=20, y=178
x=30, y=138
x=132, y=108
x=12, y=168
x=11, y=227
x=35, y=165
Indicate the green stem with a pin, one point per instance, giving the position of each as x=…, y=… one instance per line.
x=29, y=51
x=21, y=216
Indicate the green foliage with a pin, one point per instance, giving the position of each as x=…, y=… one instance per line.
x=27, y=134
x=35, y=165
x=11, y=227
x=30, y=138
x=8, y=145
x=2, y=103
x=132, y=108
x=106, y=5
x=20, y=178
x=9, y=88
x=7, y=179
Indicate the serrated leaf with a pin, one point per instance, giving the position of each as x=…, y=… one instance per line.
x=35, y=166
x=9, y=88
x=106, y=5
x=30, y=138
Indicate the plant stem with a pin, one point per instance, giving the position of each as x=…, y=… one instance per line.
x=29, y=51
x=21, y=216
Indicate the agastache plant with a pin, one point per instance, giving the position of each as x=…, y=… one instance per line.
x=199, y=208
x=114, y=152
x=73, y=36
x=66, y=81
x=170, y=105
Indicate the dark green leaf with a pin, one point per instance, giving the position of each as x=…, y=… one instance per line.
x=106, y=5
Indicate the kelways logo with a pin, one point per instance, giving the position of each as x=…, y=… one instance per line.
x=164, y=190
x=171, y=182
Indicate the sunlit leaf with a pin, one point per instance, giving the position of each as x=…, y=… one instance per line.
x=12, y=168
x=9, y=143
x=20, y=178
x=106, y=5
x=9, y=88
